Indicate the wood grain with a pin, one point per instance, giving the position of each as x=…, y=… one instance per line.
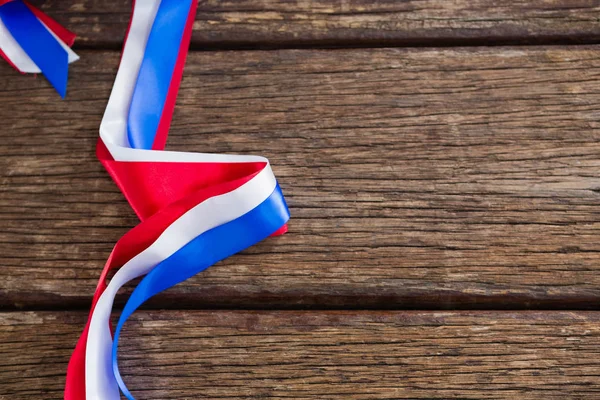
x=292, y=23
x=431, y=178
x=319, y=355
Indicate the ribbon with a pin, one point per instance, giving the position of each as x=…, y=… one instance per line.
x=32, y=42
x=195, y=208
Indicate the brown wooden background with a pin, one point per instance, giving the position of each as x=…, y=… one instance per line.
x=441, y=160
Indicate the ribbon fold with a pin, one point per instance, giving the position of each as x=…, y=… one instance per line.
x=195, y=208
x=32, y=42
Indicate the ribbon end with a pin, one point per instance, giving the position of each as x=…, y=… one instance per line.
x=62, y=92
x=38, y=43
x=58, y=78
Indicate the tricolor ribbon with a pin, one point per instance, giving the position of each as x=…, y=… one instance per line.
x=195, y=209
x=32, y=42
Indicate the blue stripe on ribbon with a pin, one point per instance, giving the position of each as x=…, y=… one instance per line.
x=39, y=44
x=202, y=252
x=154, y=78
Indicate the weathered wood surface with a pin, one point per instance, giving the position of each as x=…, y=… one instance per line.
x=416, y=178
x=320, y=355
x=281, y=23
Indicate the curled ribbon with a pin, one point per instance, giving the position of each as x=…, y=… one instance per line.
x=32, y=42
x=195, y=209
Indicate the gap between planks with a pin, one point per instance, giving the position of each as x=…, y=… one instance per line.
x=277, y=24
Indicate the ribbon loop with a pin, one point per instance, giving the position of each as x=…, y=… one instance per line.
x=196, y=209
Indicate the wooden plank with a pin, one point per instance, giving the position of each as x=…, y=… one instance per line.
x=325, y=355
x=285, y=23
x=416, y=178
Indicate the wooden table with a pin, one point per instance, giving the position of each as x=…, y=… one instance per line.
x=441, y=160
